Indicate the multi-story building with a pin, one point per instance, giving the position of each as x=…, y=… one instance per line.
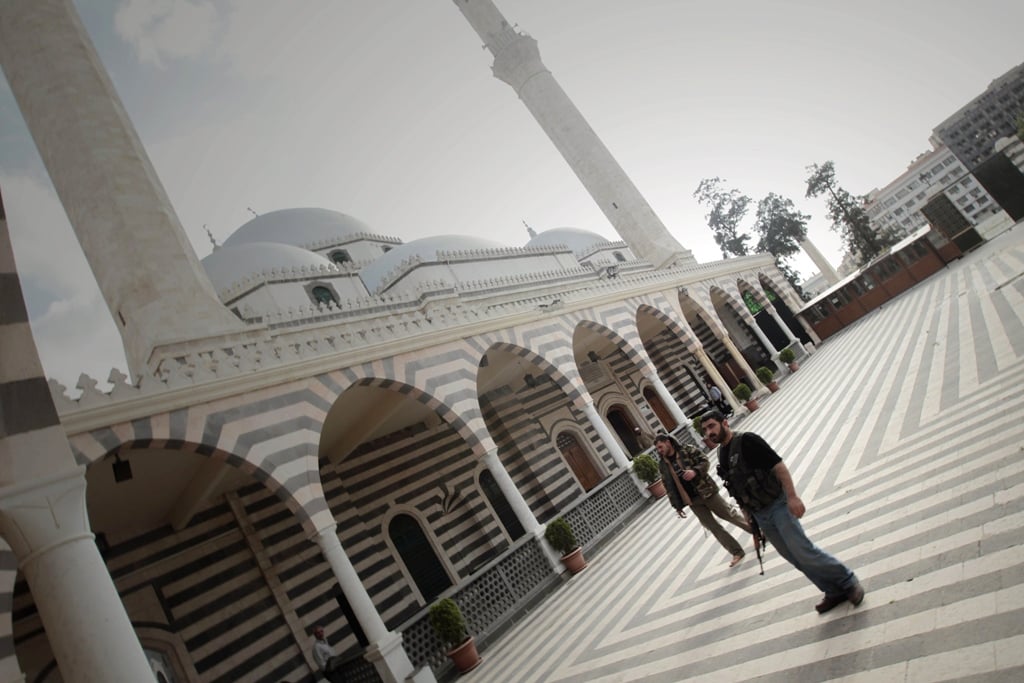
x=897, y=206
x=971, y=132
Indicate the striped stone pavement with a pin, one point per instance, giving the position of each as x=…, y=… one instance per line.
x=905, y=436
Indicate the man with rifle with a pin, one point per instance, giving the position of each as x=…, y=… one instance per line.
x=761, y=483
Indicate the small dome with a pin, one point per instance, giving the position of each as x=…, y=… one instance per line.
x=425, y=249
x=577, y=240
x=228, y=265
x=298, y=227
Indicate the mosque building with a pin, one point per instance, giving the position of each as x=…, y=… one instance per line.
x=327, y=425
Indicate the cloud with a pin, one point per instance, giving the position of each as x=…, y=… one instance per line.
x=167, y=29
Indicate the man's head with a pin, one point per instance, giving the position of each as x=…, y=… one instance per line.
x=318, y=632
x=667, y=446
x=715, y=426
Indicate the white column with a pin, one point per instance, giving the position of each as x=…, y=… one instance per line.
x=385, y=652
x=755, y=383
x=523, y=512
x=667, y=399
x=763, y=338
x=781, y=323
x=606, y=435
x=46, y=524
x=717, y=378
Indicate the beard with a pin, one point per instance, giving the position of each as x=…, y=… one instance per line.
x=717, y=437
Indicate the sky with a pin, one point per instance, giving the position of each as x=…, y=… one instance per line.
x=386, y=110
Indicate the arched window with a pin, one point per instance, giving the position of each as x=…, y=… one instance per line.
x=323, y=295
x=419, y=557
x=341, y=256
x=385, y=248
x=619, y=256
x=501, y=506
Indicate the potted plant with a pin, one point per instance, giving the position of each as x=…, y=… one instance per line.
x=559, y=534
x=698, y=427
x=789, y=358
x=646, y=469
x=767, y=378
x=743, y=393
x=450, y=626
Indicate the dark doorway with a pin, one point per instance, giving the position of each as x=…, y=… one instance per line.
x=498, y=501
x=419, y=557
x=624, y=426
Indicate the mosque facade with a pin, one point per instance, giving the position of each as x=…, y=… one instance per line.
x=327, y=425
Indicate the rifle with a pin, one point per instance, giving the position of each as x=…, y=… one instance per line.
x=760, y=541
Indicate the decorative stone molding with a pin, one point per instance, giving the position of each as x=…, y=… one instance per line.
x=44, y=513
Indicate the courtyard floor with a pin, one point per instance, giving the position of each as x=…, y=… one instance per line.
x=905, y=435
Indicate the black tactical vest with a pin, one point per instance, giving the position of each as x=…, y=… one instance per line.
x=752, y=488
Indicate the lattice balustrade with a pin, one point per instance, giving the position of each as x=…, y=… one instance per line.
x=495, y=594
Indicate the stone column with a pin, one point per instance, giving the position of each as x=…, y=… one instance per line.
x=763, y=338
x=667, y=399
x=781, y=323
x=523, y=512
x=46, y=524
x=755, y=383
x=717, y=378
x=385, y=651
x=606, y=435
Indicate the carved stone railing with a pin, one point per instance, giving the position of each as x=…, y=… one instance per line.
x=493, y=596
x=307, y=332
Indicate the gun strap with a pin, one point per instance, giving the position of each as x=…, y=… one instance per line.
x=682, y=489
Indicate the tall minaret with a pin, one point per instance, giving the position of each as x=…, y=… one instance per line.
x=150, y=277
x=517, y=62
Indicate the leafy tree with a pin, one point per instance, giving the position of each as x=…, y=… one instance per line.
x=781, y=228
x=726, y=208
x=847, y=215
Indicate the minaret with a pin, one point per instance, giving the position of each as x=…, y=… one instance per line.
x=517, y=62
x=150, y=277
x=824, y=267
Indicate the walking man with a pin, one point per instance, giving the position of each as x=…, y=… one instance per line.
x=684, y=469
x=761, y=483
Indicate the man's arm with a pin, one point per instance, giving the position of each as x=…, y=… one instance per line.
x=793, y=502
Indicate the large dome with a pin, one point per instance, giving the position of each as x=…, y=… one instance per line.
x=298, y=227
x=424, y=249
x=228, y=265
x=577, y=240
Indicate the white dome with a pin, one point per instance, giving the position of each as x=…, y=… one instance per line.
x=228, y=265
x=424, y=249
x=577, y=240
x=298, y=227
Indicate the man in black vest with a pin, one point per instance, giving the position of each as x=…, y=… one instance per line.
x=761, y=483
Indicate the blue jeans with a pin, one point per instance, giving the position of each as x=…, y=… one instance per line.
x=784, y=531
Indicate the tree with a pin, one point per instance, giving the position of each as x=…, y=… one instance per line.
x=1020, y=125
x=726, y=208
x=781, y=228
x=847, y=215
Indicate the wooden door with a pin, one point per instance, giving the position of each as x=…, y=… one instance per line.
x=578, y=460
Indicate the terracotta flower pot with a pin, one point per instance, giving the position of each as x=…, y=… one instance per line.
x=794, y=366
x=657, y=489
x=773, y=386
x=465, y=657
x=574, y=561
x=752, y=405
